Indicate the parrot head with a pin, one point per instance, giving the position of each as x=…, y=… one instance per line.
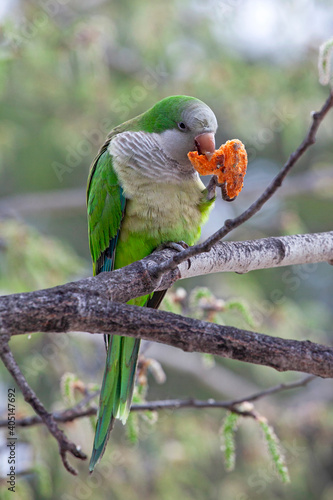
x=184, y=124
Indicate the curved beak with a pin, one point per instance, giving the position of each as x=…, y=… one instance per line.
x=205, y=144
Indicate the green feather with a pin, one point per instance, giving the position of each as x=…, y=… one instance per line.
x=165, y=114
x=129, y=356
x=162, y=116
x=117, y=239
x=106, y=205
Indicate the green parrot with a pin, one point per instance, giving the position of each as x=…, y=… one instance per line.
x=143, y=193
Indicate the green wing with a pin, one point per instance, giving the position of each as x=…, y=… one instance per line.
x=106, y=207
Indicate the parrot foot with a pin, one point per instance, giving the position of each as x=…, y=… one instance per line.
x=211, y=189
x=179, y=246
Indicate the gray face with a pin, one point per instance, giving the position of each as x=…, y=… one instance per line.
x=196, y=119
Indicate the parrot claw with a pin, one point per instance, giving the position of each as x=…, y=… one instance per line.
x=179, y=246
x=211, y=189
x=224, y=192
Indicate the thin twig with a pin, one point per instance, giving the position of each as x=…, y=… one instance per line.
x=68, y=415
x=232, y=405
x=77, y=411
x=277, y=388
x=231, y=224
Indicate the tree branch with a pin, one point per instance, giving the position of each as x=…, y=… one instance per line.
x=85, y=306
x=51, y=311
x=141, y=277
x=245, y=256
x=79, y=411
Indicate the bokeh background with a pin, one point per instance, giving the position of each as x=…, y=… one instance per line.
x=69, y=72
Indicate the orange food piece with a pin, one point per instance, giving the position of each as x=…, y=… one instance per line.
x=228, y=163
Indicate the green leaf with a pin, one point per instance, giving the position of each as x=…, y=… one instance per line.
x=173, y=301
x=243, y=309
x=208, y=360
x=67, y=387
x=132, y=427
x=227, y=434
x=201, y=292
x=274, y=448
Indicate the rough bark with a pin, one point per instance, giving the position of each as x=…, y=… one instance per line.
x=59, y=310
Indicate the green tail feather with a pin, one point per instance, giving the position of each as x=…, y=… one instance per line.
x=129, y=357
x=117, y=390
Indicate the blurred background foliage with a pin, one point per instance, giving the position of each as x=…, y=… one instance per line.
x=69, y=72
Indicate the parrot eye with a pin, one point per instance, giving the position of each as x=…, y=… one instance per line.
x=182, y=126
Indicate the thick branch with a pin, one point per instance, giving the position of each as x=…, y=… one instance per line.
x=54, y=312
x=141, y=278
